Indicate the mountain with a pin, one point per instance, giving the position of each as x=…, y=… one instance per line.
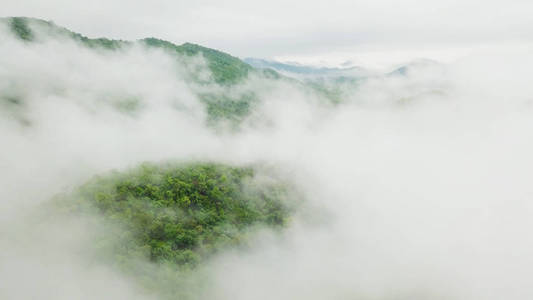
x=226, y=101
x=297, y=70
x=415, y=65
x=161, y=222
x=226, y=69
x=224, y=104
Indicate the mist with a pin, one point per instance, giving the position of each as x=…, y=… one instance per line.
x=416, y=186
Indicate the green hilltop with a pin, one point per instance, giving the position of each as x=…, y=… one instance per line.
x=182, y=213
x=177, y=216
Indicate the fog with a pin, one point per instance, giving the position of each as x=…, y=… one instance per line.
x=419, y=184
x=295, y=27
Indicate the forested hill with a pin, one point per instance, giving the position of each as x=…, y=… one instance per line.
x=226, y=69
x=227, y=102
x=225, y=97
x=160, y=223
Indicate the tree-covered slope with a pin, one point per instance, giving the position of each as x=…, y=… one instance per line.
x=224, y=104
x=225, y=92
x=182, y=213
x=22, y=28
x=226, y=69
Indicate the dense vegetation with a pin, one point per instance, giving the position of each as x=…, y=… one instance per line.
x=226, y=101
x=20, y=27
x=182, y=214
x=225, y=68
x=221, y=104
x=232, y=109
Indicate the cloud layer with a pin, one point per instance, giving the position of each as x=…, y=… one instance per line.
x=422, y=180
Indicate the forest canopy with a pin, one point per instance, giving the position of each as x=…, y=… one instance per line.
x=182, y=213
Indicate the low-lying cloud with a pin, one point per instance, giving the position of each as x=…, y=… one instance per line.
x=423, y=179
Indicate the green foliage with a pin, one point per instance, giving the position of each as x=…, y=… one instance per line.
x=223, y=104
x=182, y=214
x=225, y=108
x=22, y=28
x=19, y=26
x=225, y=68
x=100, y=42
x=332, y=93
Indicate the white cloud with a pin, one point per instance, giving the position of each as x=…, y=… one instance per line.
x=424, y=180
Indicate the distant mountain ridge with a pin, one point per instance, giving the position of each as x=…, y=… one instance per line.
x=306, y=70
x=224, y=104
x=227, y=99
x=226, y=69
x=405, y=69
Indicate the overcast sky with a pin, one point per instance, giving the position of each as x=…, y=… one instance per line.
x=332, y=30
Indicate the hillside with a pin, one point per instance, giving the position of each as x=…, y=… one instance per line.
x=178, y=215
x=160, y=224
x=226, y=103
x=226, y=69
x=227, y=100
x=182, y=213
x=246, y=150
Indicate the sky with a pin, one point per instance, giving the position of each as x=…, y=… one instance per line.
x=314, y=32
